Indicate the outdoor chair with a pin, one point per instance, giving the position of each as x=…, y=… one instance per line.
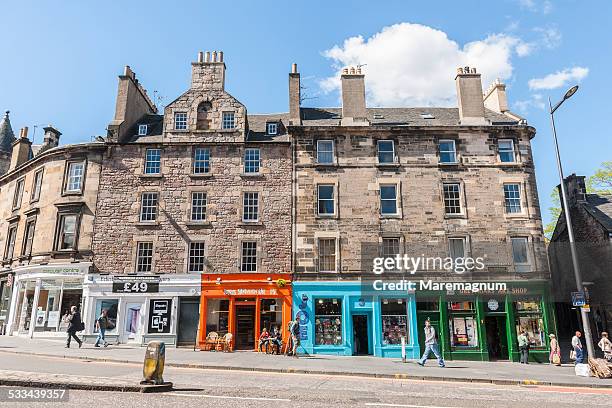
x=211, y=341
x=225, y=342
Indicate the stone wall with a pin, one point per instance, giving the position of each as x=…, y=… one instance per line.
x=117, y=223
x=422, y=224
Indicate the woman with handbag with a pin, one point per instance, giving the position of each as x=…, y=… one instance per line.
x=555, y=350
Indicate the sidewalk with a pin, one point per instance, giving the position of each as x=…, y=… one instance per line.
x=503, y=373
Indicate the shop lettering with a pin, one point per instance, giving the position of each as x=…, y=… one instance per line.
x=234, y=292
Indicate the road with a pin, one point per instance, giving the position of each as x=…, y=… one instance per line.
x=222, y=388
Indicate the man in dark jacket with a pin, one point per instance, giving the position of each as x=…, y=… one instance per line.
x=75, y=324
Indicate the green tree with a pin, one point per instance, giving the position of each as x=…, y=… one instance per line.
x=599, y=183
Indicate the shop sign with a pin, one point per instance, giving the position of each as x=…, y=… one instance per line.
x=9, y=280
x=493, y=304
x=159, y=315
x=578, y=299
x=40, y=318
x=53, y=319
x=249, y=292
x=135, y=284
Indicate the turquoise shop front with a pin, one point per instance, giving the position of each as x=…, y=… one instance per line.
x=337, y=318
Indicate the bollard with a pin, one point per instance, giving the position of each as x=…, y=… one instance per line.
x=403, y=349
x=153, y=368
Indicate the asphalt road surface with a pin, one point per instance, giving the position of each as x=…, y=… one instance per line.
x=221, y=388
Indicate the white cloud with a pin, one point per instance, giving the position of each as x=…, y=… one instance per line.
x=536, y=101
x=550, y=37
x=413, y=64
x=559, y=78
x=544, y=7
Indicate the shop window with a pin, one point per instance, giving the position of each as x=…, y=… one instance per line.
x=463, y=331
x=271, y=314
x=48, y=309
x=111, y=306
x=533, y=324
x=394, y=321
x=6, y=292
x=431, y=306
x=328, y=322
x=462, y=306
x=25, y=303
x=217, y=316
x=528, y=305
x=160, y=311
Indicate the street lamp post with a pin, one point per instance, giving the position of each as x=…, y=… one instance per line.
x=568, y=220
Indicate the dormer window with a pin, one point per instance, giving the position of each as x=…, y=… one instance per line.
x=228, y=120
x=271, y=128
x=142, y=130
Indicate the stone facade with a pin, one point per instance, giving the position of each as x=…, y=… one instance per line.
x=118, y=228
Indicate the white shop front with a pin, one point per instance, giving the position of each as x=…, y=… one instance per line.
x=42, y=296
x=143, y=308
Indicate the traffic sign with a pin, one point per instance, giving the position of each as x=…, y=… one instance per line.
x=578, y=299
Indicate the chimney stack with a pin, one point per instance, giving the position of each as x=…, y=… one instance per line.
x=51, y=138
x=295, y=117
x=353, y=98
x=208, y=73
x=575, y=188
x=495, y=97
x=469, y=97
x=21, y=149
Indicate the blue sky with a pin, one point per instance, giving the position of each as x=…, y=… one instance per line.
x=59, y=63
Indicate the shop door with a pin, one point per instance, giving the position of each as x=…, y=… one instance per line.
x=245, y=327
x=132, y=321
x=497, y=342
x=361, y=344
x=189, y=313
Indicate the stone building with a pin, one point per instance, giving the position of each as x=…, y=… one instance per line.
x=47, y=206
x=197, y=196
x=425, y=182
x=592, y=224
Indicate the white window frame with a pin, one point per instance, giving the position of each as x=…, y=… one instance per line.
x=73, y=177
x=247, y=246
x=37, y=185
x=155, y=164
x=454, y=151
x=201, y=202
x=205, y=162
x=61, y=231
x=250, y=206
x=332, y=151
x=521, y=266
x=460, y=198
x=28, y=236
x=140, y=255
x=226, y=122
x=147, y=205
x=247, y=160
x=180, y=121
x=333, y=199
x=18, y=193
x=320, y=254
x=464, y=240
x=511, y=150
x=519, y=198
x=378, y=151
x=142, y=130
x=198, y=258
x=272, y=128
x=396, y=190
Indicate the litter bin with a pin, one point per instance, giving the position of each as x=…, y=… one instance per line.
x=153, y=368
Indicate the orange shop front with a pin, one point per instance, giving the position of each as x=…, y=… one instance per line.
x=243, y=304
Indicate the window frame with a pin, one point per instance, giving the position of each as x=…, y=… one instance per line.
x=206, y=161
x=247, y=208
x=464, y=241
x=18, y=194
x=521, y=267
x=246, y=169
x=512, y=150
x=142, y=207
x=67, y=176
x=332, y=151
x=37, y=187
x=393, y=152
x=244, y=256
x=320, y=254
x=225, y=122
x=28, y=241
x=454, y=151
x=184, y=123
x=61, y=225
x=205, y=206
x=191, y=256
x=270, y=125
x=333, y=199
x=11, y=240
x=156, y=164
x=508, y=205
x=143, y=129
x=459, y=191
x=396, y=199
x=140, y=256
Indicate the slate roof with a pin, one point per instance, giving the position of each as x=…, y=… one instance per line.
x=600, y=207
x=7, y=137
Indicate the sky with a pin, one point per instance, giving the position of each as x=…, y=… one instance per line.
x=59, y=61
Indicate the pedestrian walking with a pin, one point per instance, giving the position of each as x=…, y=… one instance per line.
x=431, y=345
x=577, y=348
x=75, y=324
x=523, y=343
x=555, y=350
x=294, y=332
x=606, y=346
x=101, y=325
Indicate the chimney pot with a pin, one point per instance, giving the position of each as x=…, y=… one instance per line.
x=214, y=56
x=220, y=56
x=294, y=68
x=25, y=132
x=345, y=71
x=200, y=57
x=207, y=56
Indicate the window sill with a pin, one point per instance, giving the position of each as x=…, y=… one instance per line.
x=326, y=165
x=31, y=211
x=449, y=164
x=201, y=175
x=252, y=175
x=232, y=130
x=326, y=216
x=150, y=224
x=151, y=176
x=388, y=165
x=71, y=193
x=198, y=224
x=511, y=164
x=455, y=216
x=13, y=218
x=391, y=216
x=516, y=216
x=250, y=224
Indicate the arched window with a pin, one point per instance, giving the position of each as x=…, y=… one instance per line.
x=204, y=118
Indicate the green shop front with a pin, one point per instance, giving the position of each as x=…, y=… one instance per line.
x=484, y=326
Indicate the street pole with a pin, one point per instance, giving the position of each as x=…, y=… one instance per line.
x=570, y=231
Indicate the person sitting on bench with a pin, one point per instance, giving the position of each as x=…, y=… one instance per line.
x=276, y=340
x=264, y=339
